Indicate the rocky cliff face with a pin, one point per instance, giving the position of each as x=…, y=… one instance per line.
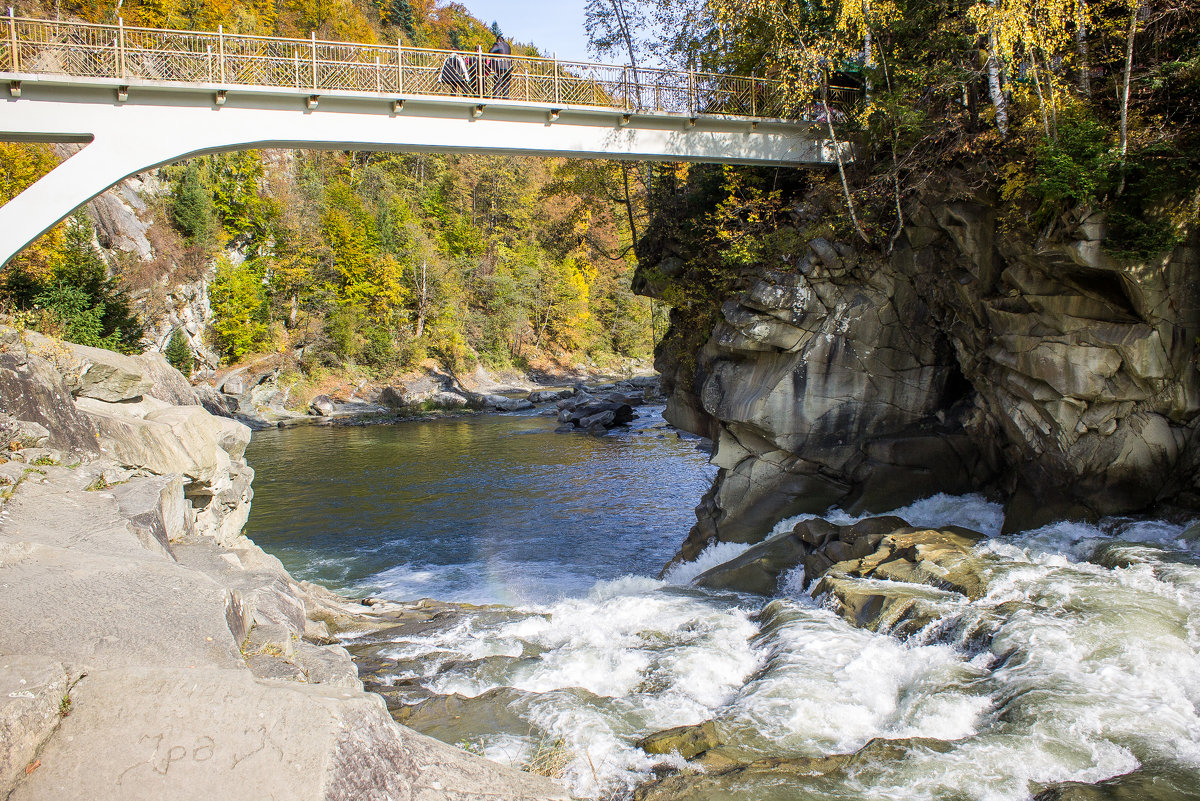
x=965, y=359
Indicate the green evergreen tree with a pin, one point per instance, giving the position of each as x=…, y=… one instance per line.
x=88, y=304
x=495, y=29
x=400, y=14
x=192, y=207
x=75, y=317
x=178, y=353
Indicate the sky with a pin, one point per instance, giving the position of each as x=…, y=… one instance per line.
x=555, y=26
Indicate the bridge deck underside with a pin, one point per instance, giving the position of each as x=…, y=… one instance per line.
x=137, y=127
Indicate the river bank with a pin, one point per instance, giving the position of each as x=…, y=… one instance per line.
x=265, y=393
x=151, y=650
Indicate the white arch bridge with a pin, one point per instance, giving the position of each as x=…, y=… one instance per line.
x=139, y=98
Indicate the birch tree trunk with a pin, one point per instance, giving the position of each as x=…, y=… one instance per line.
x=994, y=88
x=837, y=151
x=422, y=297
x=1081, y=49
x=1133, y=15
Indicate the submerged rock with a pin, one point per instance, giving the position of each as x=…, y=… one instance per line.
x=458, y=718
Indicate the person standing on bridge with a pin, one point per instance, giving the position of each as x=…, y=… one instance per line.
x=499, y=68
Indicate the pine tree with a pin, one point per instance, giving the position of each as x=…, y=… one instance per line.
x=400, y=14
x=495, y=29
x=178, y=353
x=192, y=208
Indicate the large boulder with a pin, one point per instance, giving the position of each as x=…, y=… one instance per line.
x=814, y=544
x=167, y=383
x=161, y=438
x=33, y=391
x=108, y=376
x=586, y=412
x=322, y=405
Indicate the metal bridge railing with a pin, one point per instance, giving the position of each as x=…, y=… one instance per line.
x=122, y=52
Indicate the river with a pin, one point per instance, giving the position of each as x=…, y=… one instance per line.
x=1081, y=661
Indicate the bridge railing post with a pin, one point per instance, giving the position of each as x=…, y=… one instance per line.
x=479, y=70
x=399, y=66
x=120, y=47
x=692, y=110
x=221, y=52
x=625, y=83
x=378, y=76
x=12, y=40
x=210, y=63
x=313, y=59
x=557, y=93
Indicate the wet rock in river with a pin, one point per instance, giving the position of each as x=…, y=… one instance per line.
x=882, y=548
x=591, y=414
x=778, y=779
x=505, y=404
x=1141, y=785
x=458, y=718
x=550, y=395
x=688, y=741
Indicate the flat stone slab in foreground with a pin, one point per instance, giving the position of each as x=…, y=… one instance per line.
x=179, y=734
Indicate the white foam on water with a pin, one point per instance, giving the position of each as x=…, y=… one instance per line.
x=649, y=658
x=828, y=687
x=716, y=554
x=1096, y=669
x=968, y=511
x=1066, y=669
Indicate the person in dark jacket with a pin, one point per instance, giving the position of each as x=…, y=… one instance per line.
x=499, y=68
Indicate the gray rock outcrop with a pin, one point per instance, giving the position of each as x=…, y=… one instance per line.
x=1048, y=372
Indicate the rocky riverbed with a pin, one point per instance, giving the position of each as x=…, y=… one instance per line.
x=932, y=662
x=257, y=395
x=149, y=649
